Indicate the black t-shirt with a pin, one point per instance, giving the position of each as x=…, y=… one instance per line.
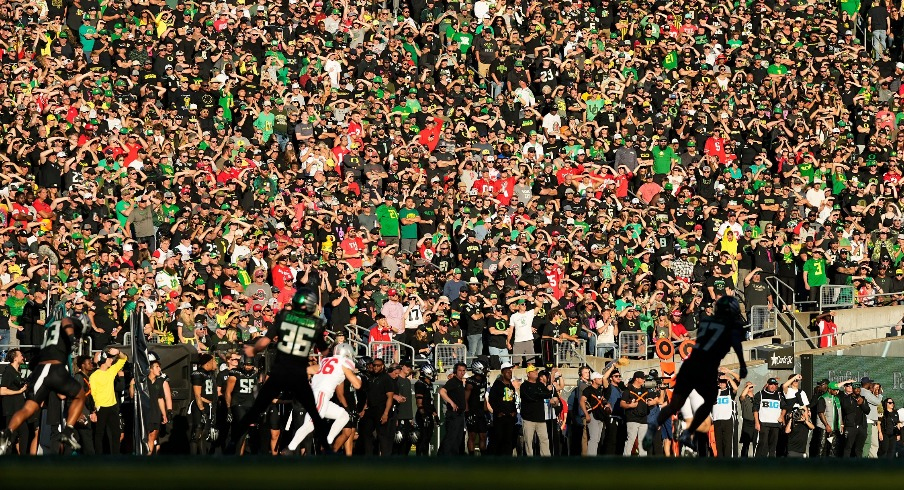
x=376, y=394
x=597, y=401
x=11, y=379
x=455, y=389
x=639, y=413
x=797, y=439
x=502, y=398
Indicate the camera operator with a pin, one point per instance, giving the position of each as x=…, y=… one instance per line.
x=853, y=412
x=798, y=428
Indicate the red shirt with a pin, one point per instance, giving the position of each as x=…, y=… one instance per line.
x=353, y=246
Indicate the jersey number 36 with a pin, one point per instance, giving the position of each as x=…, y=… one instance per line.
x=295, y=340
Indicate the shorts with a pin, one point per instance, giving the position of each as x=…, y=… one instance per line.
x=51, y=378
x=274, y=416
x=477, y=422
x=352, y=419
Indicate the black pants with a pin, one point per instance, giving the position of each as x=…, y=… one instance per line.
x=576, y=439
x=454, y=436
x=23, y=436
x=288, y=379
x=854, y=439
x=85, y=438
x=425, y=435
x=376, y=438
x=504, y=435
x=767, y=441
x=107, y=429
x=748, y=437
x=724, y=434
x=199, y=430
x=615, y=436
x=887, y=446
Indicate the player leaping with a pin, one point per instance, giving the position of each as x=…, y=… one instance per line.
x=717, y=335
x=296, y=331
x=50, y=377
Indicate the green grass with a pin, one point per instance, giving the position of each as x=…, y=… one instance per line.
x=256, y=473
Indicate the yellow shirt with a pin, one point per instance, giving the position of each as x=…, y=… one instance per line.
x=102, y=385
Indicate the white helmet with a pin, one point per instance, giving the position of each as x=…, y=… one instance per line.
x=344, y=350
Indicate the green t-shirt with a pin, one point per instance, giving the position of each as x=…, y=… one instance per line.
x=816, y=272
x=408, y=231
x=662, y=159
x=388, y=218
x=264, y=122
x=120, y=207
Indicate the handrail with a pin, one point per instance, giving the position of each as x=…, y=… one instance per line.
x=840, y=335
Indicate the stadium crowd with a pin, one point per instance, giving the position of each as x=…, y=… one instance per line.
x=504, y=175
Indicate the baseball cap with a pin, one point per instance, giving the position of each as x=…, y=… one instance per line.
x=595, y=375
x=531, y=368
x=772, y=381
x=506, y=365
x=866, y=379
x=834, y=386
x=638, y=374
x=257, y=307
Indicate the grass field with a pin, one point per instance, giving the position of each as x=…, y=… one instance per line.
x=254, y=473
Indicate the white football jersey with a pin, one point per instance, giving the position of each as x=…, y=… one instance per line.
x=330, y=375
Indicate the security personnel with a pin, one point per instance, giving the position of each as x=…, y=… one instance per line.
x=853, y=412
x=723, y=415
x=767, y=416
x=824, y=441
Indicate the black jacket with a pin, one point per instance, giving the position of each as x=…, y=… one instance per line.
x=854, y=415
x=533, y=401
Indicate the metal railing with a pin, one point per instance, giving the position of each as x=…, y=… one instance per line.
x=571, y=353
x=761, y=320
x=390, y=352
x=446, y=355
x=632, y=344
x=833, y=296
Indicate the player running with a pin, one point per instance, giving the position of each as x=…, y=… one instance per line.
x=333, y=372
x=296, y=330
x=51, y=375
x=716, y=336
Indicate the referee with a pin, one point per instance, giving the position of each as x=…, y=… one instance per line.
x=106, y=405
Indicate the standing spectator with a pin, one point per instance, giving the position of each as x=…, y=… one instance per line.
x=388, y=217
x=889, y=429
x=534, y=397
x=502, y=401
x=827, y=434
x=596, y=409
x=878, y=23
x=453, y=393
x=723, y=415
x=106, y=402
x=636, y=407
x=767, y=415
x=577, y=426
x=748, y=432
x=12, y=397
x=871, y=449
x=854, y=410
x=523, y=333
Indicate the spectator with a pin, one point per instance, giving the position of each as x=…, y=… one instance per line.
x=534, y=397
x=106, y=401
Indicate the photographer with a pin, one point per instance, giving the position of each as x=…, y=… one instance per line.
x=798, y=428
x=853, y=412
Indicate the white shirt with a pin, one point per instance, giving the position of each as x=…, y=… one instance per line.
x=522, y=322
